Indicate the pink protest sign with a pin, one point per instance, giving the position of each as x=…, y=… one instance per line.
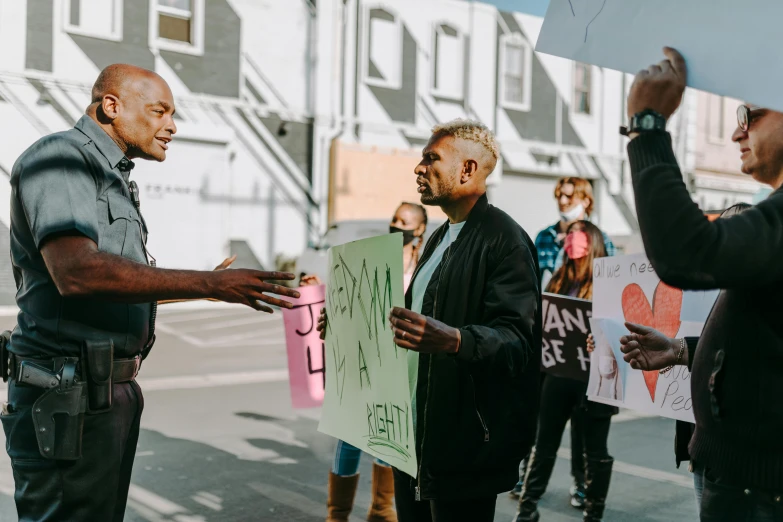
x=305, y=348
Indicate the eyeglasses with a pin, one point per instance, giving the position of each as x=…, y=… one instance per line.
x=745, y=116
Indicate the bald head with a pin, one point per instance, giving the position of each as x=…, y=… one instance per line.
x=120, y=78
x=136, y=108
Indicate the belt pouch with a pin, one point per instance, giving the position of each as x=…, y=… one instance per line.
x=97, y=361
x=58, y=417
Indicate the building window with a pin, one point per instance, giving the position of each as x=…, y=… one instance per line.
x=178, y=25
x=516, y=68
x=383, y=64
x=448, y=71
x=94, y=18
x=583, y=83
x=716, y=122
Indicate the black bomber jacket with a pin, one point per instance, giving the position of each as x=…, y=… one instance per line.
x=476, y=411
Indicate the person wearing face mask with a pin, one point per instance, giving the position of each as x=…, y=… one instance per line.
x=574, y=198
x=563, y=398
x=411, y=220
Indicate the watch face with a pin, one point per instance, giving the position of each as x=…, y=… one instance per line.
x=647, y=122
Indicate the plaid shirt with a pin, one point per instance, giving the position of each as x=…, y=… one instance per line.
x=550, y=250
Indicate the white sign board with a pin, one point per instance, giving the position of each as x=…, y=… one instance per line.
x=626, y=288
x=628, y=35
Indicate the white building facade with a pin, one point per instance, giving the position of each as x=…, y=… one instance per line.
x=295, y=114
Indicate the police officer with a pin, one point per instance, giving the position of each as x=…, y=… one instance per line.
x=87, y=292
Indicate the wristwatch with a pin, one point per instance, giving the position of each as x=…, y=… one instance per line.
x=645, y=121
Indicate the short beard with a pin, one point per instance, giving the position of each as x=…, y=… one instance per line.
x=443, y=197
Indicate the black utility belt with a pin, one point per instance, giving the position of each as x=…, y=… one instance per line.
x=74, y=387
x=38, y=372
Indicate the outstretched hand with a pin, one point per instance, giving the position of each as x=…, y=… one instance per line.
x=647, y=349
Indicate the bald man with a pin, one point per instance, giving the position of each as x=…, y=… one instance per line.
x=87, y=293
x=472, y=328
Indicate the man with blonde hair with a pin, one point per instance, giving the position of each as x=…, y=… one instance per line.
x=472, y=328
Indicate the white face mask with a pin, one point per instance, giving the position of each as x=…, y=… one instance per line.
x=606, y=365
x=572, y=214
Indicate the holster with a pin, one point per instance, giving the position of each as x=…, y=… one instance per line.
x=58, y=416
x=5, y=355
x=96, y=369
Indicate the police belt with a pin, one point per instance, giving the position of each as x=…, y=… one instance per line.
x=123, y=370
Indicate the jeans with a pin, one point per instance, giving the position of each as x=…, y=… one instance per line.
x=698, y=482
x=725, y=501
x=346, y=459
x=409, y=510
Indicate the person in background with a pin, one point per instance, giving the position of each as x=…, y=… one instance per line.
x=574, y=197
x=563, y=398
x=411, y=220
x=652, y=339
x=575, y=202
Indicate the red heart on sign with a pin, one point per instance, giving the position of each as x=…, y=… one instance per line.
x=663, y=315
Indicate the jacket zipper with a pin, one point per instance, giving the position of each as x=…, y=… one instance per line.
x=478, y=413
x=429, y=375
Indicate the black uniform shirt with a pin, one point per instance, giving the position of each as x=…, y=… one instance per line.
x=73, y=182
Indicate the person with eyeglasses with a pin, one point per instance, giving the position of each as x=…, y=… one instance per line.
x=737, y=364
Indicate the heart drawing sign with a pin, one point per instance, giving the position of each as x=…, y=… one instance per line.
x=663, y=315
x=627, y=289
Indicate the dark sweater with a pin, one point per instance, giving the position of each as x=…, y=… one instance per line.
x=737, y=379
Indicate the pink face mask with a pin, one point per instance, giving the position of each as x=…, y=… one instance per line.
x=577, y=244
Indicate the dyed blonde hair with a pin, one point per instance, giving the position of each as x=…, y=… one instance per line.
x=470, y=130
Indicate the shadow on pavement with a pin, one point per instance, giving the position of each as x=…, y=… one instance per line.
x=185, y=481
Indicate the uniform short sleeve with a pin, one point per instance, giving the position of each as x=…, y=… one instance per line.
x=57, y=190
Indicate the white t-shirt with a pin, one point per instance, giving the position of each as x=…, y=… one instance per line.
x=419, y=289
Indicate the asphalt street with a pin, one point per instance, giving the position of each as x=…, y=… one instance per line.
x=220, y=441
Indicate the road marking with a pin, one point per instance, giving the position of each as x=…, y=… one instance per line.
x=213, y=380
x=189, y=382
x=209, y=500
x=184, y=317
x=154, y=502
x=249, y=336
x=202, y=342
x=641, y=471
x=630, y=415
x=251, y=321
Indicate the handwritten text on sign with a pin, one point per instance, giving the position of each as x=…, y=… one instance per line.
x=566, y=327
x=367, y=400
x=306, y=351
x=626, y=288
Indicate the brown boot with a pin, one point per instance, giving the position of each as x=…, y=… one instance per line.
x=381, y=508
x=342, y=490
